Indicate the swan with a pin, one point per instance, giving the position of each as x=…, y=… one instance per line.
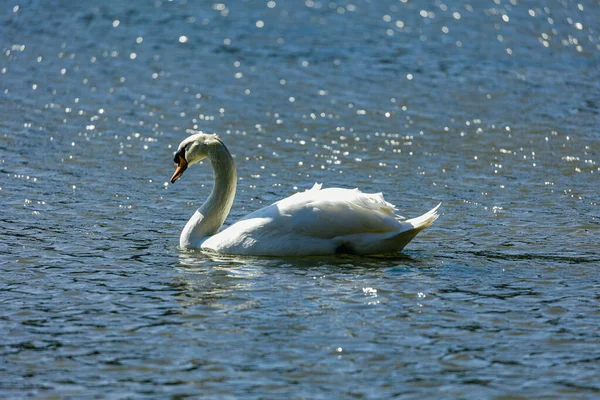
x=314, y=222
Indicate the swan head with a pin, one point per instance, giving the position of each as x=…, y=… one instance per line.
x=192, y=150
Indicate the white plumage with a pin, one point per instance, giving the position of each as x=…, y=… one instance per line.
x=314, y=222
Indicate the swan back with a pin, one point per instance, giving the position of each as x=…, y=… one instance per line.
x=328, y=212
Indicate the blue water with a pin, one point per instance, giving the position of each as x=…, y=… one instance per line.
x=491, y=107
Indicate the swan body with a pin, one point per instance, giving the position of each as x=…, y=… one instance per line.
x=314, y=222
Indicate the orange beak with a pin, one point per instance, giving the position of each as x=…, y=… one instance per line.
x=182, y=165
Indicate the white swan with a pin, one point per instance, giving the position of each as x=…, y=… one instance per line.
x=315, y=222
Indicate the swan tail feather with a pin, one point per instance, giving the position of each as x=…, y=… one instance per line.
x=391, y=242
x=425, y=220
x=401, y=239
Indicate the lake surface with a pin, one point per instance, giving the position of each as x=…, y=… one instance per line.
x=491, y=107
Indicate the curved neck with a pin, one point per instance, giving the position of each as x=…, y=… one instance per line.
x=207, y=220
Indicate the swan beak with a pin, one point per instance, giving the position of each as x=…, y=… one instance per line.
x=182, y=165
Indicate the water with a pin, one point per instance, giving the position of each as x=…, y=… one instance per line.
x=490, y=107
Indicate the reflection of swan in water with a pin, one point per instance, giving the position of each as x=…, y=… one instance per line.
x=315, y=222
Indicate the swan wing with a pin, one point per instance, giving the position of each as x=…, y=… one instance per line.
x=333, y=212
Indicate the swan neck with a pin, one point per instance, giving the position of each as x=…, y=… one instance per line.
x=209, y=218
x=221, y=198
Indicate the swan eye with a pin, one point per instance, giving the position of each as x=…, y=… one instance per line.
x=178, y=155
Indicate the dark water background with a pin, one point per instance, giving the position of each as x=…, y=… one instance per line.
x=491, y=107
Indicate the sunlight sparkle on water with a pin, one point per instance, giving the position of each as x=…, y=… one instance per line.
x=489, y=107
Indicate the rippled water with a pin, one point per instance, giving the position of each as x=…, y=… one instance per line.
x=491, y=107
